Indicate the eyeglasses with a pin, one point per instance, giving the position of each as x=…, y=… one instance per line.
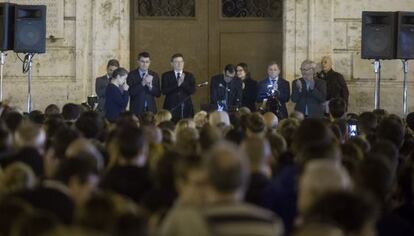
x=306, y=69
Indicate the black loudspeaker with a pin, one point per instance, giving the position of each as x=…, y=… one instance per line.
x=30, y=29
x=6, y=26
x=405, y=36
x=378, y=35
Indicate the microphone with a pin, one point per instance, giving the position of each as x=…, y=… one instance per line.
x=222, y=86
x=202, y=84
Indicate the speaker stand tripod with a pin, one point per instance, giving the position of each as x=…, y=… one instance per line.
x=405, y=68
x=377, y=70
x=2, y=61
x=28, y=68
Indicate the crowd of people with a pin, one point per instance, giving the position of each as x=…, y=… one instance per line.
x=69, y=171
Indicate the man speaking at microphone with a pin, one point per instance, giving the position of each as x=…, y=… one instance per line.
x=144, y=86
x=226, y=90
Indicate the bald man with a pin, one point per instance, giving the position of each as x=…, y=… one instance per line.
x=335, y=83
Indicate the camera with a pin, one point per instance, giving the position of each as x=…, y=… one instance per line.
x=352, y=128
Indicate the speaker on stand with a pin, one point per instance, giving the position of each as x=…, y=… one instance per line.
x=29, y=38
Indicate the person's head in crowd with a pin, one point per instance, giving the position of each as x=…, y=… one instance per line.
x=374, y=175
x=308, y=69
x=190, y=180
x=99, y=212
x=278, y=146
x=219, y=119
x=51, y=126
x=318, y=151
x=35, y=223
x=11, y=210
x=235, y=119
x=273, y=70
x=184, y=123
x=409, y=120
x=63, y=137
x=337, y=108
x=162, y=115
x=52, y=109
x=187, y=141
x=337, y=132
x=84, y=148
x=351, y=156
x=318, y=178
x=17, y=177
x=242, y=71
x=318, y=229
x=297, y=115
x=170, y=125
x=235, y=136
x=127, y=117
x=256, y=125
x=119, y=76
x=111, y=66
x=380, y=114
x=392, y=130
x=148, y=119
x=362, y=143
x=168, y=138
x=271, y=121
x=354, y=214
x=71, y=112
x=37, y=117
x=311, y=132
x=244, y=111
x=30, y=135
x=343, y=127
x=367, y=123
x=287, y=128
x=6, y=138
x=144, y=61
x=227, y=171
x=13, y=119
x=91, y=124
x=152, y=134
x=229, y=71
x=209, y=136
x=80, y=176
x=406, y=182
x=132, y=146
x=259, y=153
x=387, y=149
x=177, y=62
x=200, y=119
x=326, y=63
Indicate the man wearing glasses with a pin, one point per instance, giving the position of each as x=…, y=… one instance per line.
x=226, y=90
x=144, y=86
x=309, y=92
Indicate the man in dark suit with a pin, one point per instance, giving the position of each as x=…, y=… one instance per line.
x=226, y=90
x=309, y=92
x=144, y=86
x=178, y=86
x=102, y=82
x=274, y=87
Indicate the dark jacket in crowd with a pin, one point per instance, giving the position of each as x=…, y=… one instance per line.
x=282, y=93
x=249, y=93
x=335, y=85
x=116, y=101
x=221, y=91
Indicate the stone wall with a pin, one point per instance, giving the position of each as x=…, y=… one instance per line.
x=314, y=28
x=94, y=31
x=97, y=30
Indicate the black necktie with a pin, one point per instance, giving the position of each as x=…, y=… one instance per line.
x=178, y=75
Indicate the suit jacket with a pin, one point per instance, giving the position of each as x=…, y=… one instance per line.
x=100, y=87
x=249, y=96
x=335, y=85
x=115, y=103
x=230, y=92
x=141, y=95
x=175, y=95
x=283, y=89
x=312, y=99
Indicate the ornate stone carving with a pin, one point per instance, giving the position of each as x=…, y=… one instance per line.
x=252, y=8
x=168, y=8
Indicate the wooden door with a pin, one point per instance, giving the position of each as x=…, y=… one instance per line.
x=210, y=34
